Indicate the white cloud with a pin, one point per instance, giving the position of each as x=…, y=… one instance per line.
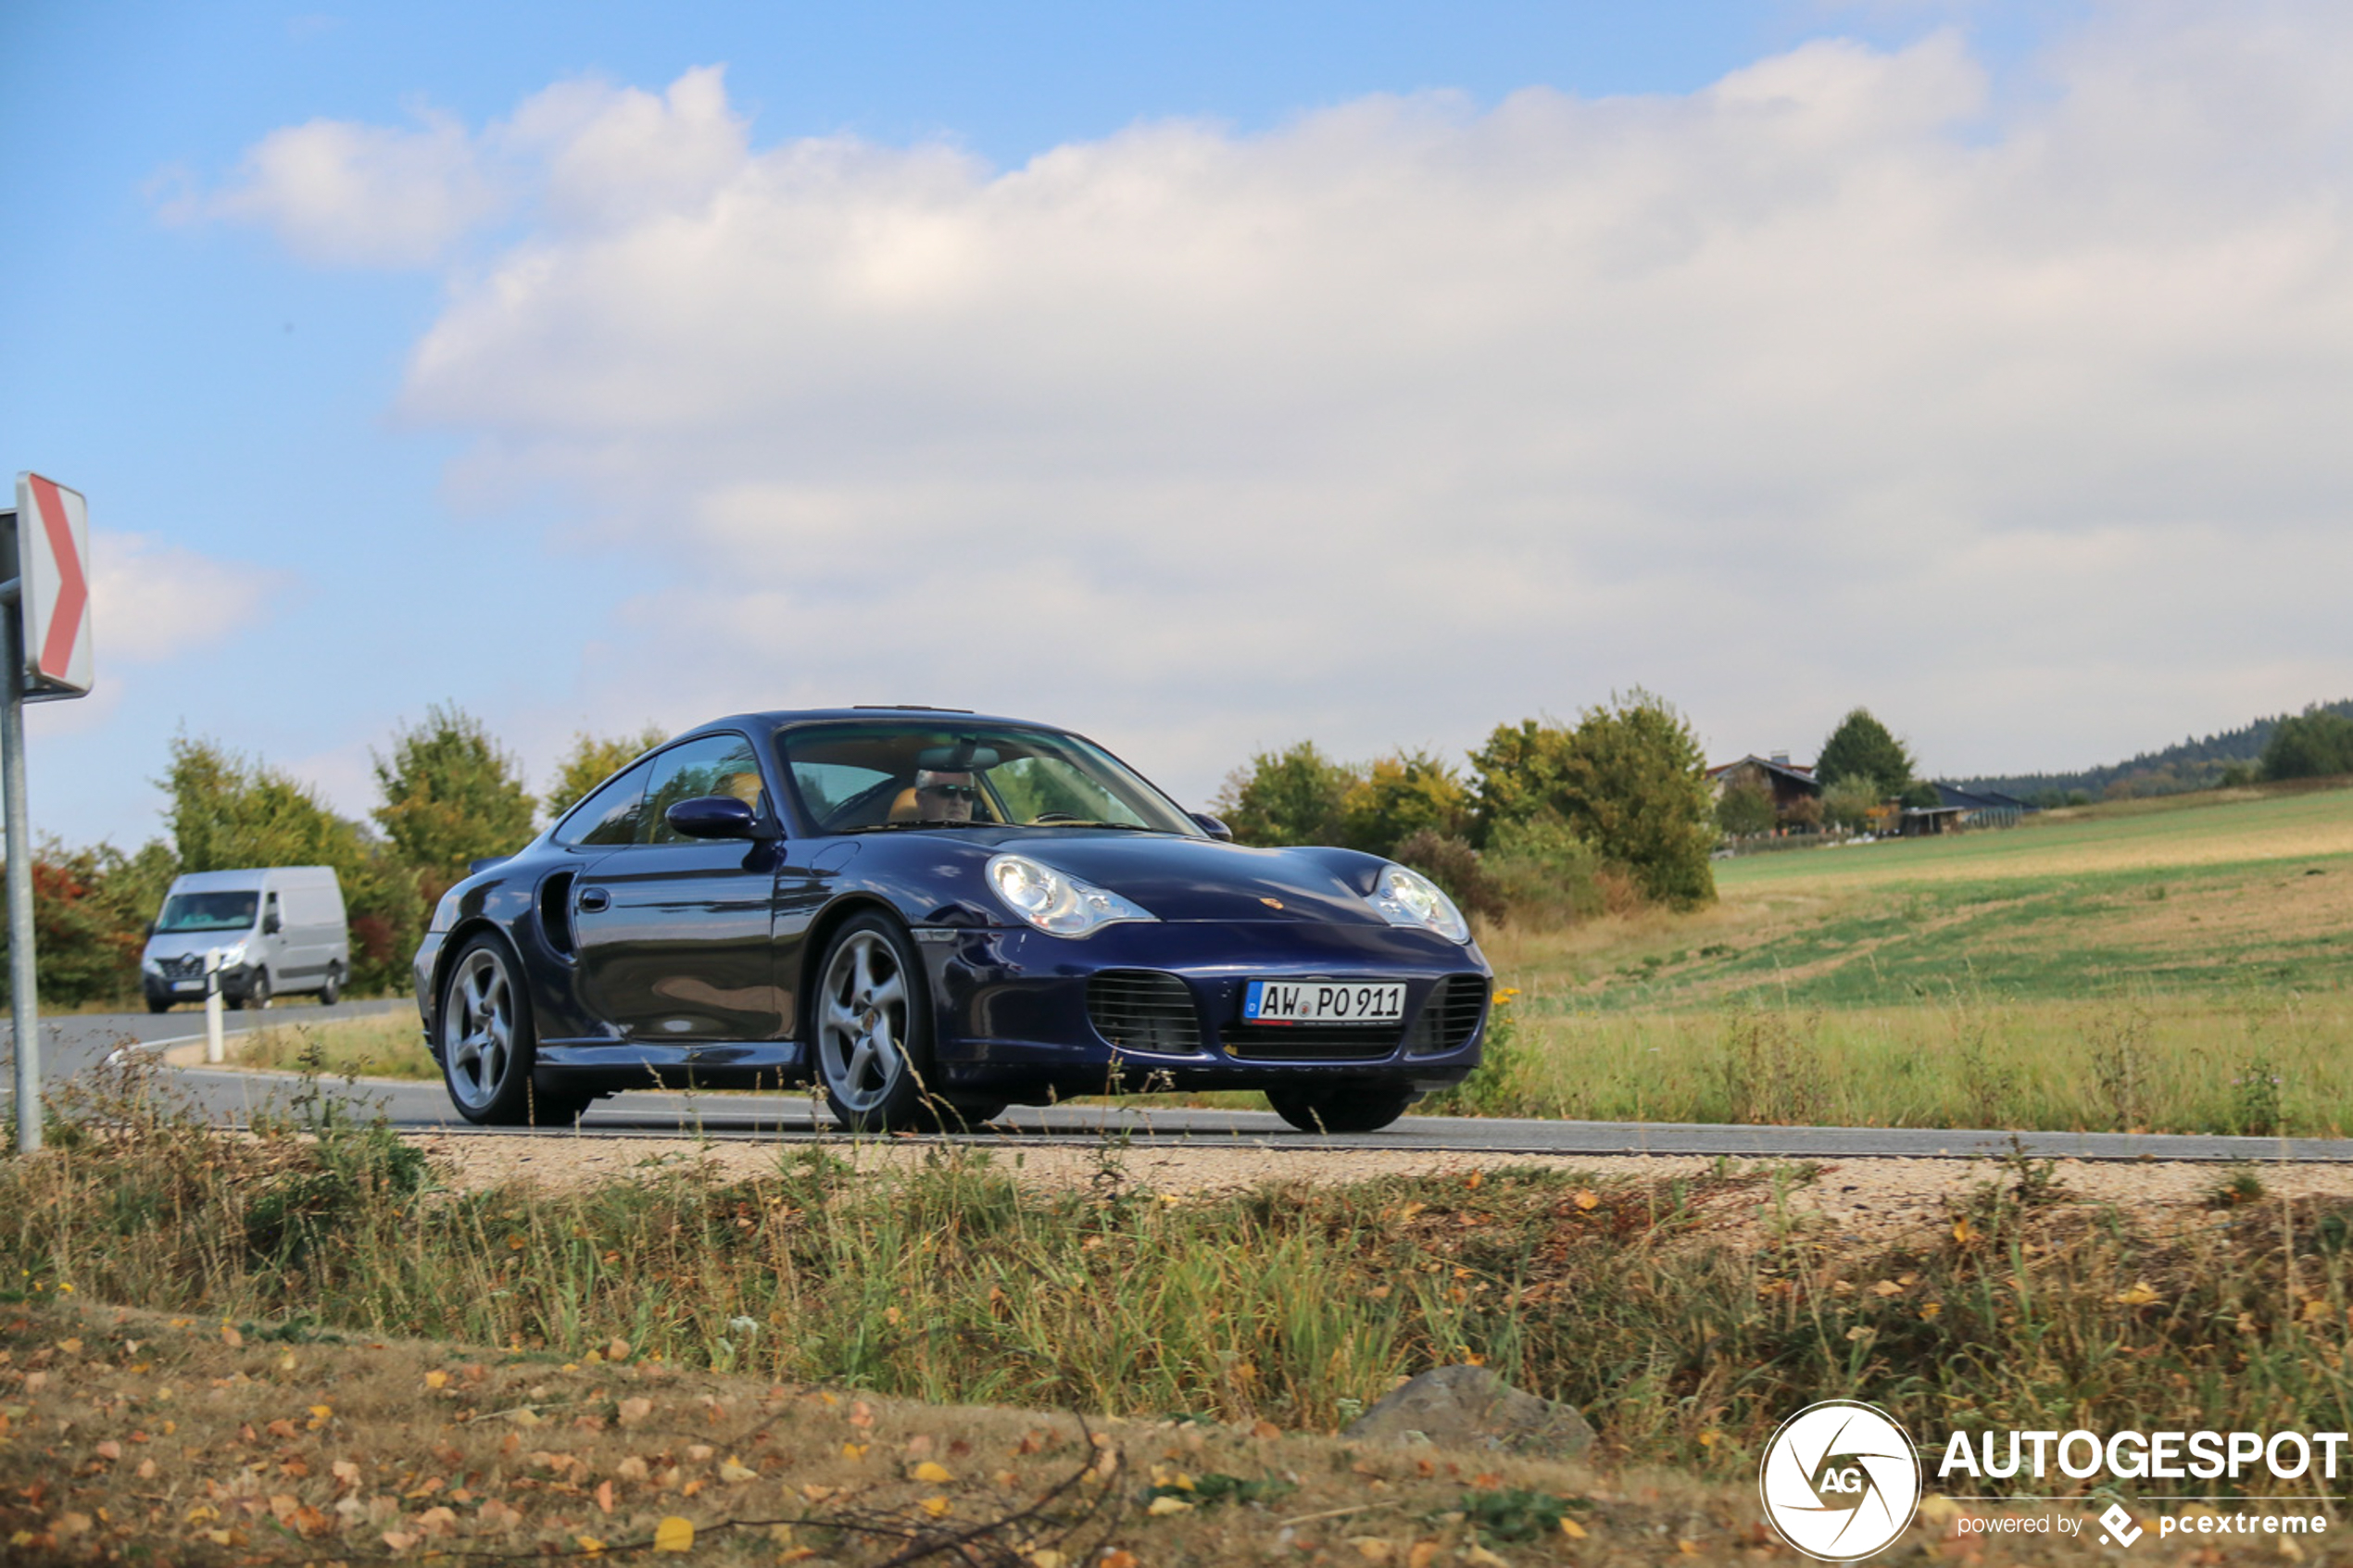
x=1855, y=377
x=361, y=194
x=151, y=601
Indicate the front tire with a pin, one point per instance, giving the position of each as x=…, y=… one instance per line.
x=158, y=1004
x=871, y=1018
x=258, y=989
x=486, y=1039
x=1342, y=1108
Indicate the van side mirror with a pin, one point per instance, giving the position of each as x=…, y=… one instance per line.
x=1213, y=826
x=271, y=923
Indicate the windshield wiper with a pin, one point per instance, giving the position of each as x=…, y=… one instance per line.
x=902, y=827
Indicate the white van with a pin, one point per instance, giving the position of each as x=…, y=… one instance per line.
x=280, y=928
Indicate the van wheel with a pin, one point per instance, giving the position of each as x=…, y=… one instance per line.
x=257, y=988
x=332, y=988
x=157, y=1004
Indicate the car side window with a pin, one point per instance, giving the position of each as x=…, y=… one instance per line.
x=722, y=764
x=610, y=816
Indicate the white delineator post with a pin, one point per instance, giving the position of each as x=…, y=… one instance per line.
x=216, y=1049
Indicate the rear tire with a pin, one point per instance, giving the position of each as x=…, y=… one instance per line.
x=332, y=988
x=1342, y=1108
x=487, y=1043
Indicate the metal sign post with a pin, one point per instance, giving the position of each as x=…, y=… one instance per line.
x=44, y=639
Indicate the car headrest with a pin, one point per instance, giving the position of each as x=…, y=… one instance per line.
x=744, y=786
x=905, y=807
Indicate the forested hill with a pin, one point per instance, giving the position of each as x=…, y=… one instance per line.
x=2193, y=764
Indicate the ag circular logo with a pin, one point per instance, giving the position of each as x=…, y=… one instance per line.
x=1840, y=1480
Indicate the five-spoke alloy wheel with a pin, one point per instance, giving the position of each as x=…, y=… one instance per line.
x=488, y=1044
x=873, y=1027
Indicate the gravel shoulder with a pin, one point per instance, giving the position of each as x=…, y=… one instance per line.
x=1868, y=1200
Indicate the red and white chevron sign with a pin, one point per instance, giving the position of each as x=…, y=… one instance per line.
x=53, y=569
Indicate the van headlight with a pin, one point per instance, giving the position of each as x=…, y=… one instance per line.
x=1407, y=897
x=1056, y=902
x=233, y=955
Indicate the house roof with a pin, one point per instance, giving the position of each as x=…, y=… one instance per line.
x=1794, y=772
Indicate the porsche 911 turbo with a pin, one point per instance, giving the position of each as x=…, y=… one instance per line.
x=928, y=915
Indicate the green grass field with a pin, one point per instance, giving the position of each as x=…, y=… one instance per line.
x=2184, y=964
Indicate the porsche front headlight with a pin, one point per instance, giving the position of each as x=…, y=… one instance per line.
x=1407, y=897
x=1056, y=902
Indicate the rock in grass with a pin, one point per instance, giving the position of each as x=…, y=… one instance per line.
x=1469, y=1407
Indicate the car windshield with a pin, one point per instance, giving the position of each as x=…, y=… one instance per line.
x=208, y=911
x=861, y=776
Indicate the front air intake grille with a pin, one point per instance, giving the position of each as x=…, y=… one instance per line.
x=188, y=968
x=1142, y=1010
x=1450, y=1017
x=1312, y=1042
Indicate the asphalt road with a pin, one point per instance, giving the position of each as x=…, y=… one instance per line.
x=74, y=1043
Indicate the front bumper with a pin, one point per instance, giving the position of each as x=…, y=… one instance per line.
x=1020, y=1008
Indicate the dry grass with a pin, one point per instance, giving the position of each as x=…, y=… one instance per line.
x=135, y=1435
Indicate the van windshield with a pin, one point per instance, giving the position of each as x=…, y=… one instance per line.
x=206, y=911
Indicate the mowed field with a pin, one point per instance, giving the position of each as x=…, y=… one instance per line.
x=2180, y=965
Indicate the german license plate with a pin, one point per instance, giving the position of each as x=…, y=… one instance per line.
x=187, y=985
x=1324, y=1002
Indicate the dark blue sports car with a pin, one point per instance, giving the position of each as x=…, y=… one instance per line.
x=931, y=915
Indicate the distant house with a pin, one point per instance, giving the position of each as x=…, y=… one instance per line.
x=1981, y=808
x=1787, y=782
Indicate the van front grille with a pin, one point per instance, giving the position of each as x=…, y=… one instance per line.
x=1144, y=1010
x=189, y=966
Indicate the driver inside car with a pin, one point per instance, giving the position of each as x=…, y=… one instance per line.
x=944, y=797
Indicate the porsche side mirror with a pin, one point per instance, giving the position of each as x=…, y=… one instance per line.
x=713, y=816
x=1213, y=826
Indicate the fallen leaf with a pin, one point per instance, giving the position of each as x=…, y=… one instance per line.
x=1266, y=1429
x=934, y=1505
x=231, y=1338
x=1422, y=1554
x=734, y=1472
x=617, y=1350
x=674, y=1534
x=1587, y=1200
x=1571, y=1528
x=1372, y=1549
x=436, y=1379
x=346, y=1473
x=589, y=1544
x=2140, y=1293
x=400, y=1540
x=110, y=1449
x=930, y=1470
x=1887, y=1288
x=604, y=1497
x=1163, y=1506
x=1119, y=1557
x=634, y=1410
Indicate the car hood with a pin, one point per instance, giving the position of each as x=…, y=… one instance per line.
x=1203, y=879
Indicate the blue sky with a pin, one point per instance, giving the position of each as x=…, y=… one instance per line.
x=1203, y=377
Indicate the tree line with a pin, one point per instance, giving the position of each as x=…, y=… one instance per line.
x=447, y=793
x=2309, y=745
x=1547, y=821
x=1862, y=768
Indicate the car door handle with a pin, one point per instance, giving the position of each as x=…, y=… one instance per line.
x=594, y=899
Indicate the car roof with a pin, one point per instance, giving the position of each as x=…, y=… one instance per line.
x=785, y=719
